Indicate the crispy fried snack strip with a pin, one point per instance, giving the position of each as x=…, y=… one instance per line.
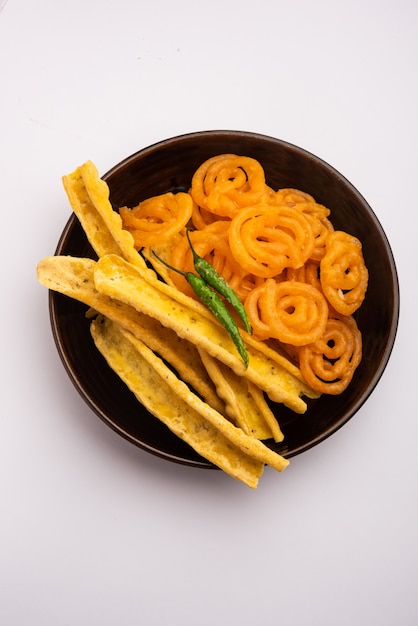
x=248, y=445
x=265, y=412
x=170, y=400
x=240, y=405
x=74, y=277
x=163, y=252
x=89, y=198
x=120, y=280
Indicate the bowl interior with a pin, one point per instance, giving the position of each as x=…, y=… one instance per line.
x=168, y=166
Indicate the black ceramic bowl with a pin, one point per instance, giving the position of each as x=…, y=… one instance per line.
x=168, y=166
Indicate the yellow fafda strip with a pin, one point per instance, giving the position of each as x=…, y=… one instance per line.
x=89, y=198
x=170, y=400
x=248, y=445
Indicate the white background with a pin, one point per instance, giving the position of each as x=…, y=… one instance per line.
x=92, y=529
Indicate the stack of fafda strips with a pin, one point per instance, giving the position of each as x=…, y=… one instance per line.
x=169, y=349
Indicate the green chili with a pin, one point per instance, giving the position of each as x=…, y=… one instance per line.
x=215, y=280
x=214, y=303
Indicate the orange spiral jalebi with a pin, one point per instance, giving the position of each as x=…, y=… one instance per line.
x=292, y=312
x=202, y=218
x=328, y=364
x=315, y=213
x=156, y=220
x=292, y=197
x=243, y=284
x=308, y=273
x=252, y=304
x=265, y=239
x=344, y=275
x=223, y=184
x=321, y=228
x=299, y=199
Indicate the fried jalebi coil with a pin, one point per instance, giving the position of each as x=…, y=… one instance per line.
x=315, y=213
x=253, y=306
x=301, y=200
x=227, y=182
x=291, y=197
x=308, y=273
x=344, y=276
x=202, y=218
x=265, y=239
x=157, y=219
x=328, y=364
x=292, y=312
x=321, y=228
x=243, y=284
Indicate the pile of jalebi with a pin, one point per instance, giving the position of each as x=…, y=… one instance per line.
x=299, y=279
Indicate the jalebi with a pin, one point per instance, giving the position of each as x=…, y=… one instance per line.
x=293, y=312
x=202, y=218
x=308, y=273
x=344, y=276
x=155, y=220
x=265, y=239
x=329, y=363
x=224, y=184
x=293, y=197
